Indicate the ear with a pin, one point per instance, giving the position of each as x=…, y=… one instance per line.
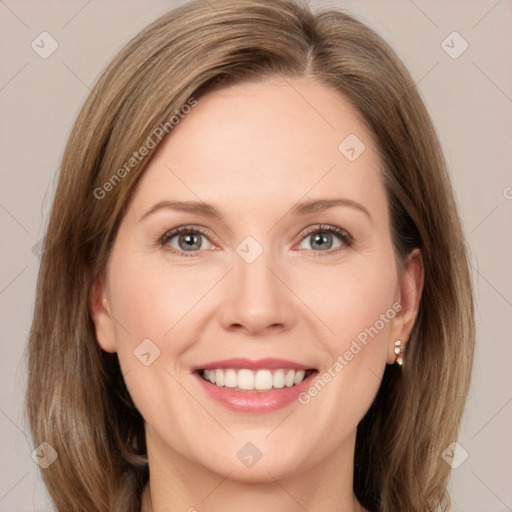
x=99, y=307
x=408, y=295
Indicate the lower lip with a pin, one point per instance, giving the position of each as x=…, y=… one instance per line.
x=255, y=401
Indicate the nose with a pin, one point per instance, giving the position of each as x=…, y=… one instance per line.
x=256, y=298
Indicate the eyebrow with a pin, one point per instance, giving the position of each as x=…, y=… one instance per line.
x=208, y=210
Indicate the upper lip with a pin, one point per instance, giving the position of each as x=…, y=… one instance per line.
x=268, y=363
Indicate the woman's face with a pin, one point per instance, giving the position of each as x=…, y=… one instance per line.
x=293, y=269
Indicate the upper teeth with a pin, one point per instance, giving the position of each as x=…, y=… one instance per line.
x=249, y=379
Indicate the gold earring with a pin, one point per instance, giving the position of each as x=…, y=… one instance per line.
x=399, y=359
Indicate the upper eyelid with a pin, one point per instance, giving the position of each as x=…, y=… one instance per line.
x=171, y=233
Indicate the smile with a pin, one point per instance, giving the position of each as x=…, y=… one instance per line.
x=248, y=380
x=262, y=386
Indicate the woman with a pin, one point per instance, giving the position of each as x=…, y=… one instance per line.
x=254, y=291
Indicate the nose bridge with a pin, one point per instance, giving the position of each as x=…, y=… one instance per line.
x=257, y=298
x=252, y=271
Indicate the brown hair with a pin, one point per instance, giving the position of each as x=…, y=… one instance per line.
x=76, y=399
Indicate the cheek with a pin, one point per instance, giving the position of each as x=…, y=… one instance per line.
x=154, y=300
x=353, y=300
x=153, y=308
x=358, y=307
x=160, y=308
x=367, y=310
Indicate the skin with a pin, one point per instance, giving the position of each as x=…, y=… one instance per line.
x=253, y=151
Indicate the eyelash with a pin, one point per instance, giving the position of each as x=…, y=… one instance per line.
x=343, y=235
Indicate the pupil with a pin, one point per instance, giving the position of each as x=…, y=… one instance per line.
x=191, y=240
x=318, y=238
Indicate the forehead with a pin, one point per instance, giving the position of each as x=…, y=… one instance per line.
x=249, y=144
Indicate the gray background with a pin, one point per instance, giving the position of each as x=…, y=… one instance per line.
x=469, y=98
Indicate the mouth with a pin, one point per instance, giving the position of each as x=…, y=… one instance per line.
x=263, y=386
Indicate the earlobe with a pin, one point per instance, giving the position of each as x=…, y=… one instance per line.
x=102, y=317
x=409, y=296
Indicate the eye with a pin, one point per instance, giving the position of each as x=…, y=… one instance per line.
x=184, y=239
x=190, y=240
x=321, y=238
